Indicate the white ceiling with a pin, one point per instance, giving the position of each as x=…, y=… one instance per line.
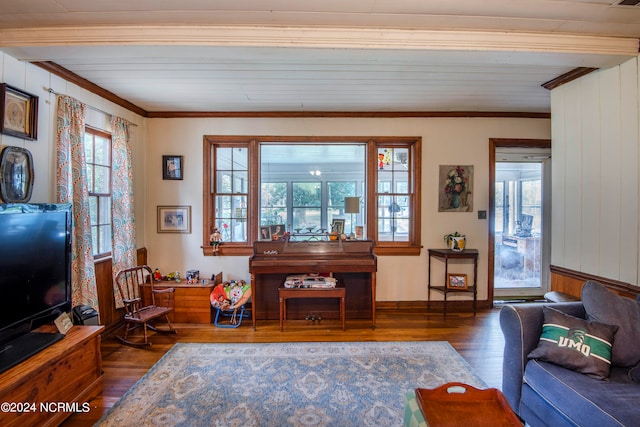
x=330, y=55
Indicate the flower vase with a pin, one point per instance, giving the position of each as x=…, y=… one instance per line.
x=455, y=200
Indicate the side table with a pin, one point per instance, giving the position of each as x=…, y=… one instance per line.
x=445, y=255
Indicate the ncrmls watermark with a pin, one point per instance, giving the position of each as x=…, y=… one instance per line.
x=46, y=407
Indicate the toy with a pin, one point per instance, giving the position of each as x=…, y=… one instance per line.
x=215, y=239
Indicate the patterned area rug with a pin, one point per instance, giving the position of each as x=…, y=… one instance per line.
x=287, y=384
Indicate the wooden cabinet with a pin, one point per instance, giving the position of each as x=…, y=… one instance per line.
x=191, y=303
x=55, y=382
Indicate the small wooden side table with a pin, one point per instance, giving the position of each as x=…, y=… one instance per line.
x=446, y=255
x=286, y=293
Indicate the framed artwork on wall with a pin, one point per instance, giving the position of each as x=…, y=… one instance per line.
x=455, y=191
x=172, y=167
x=16, y=179
x=174, y=219
x=19, y=111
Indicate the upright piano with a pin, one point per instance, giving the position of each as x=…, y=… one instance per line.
x=351, y=262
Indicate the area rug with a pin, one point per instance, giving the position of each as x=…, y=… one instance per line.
x=287, y=384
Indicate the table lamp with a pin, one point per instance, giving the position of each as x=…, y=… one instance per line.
x=352, y=206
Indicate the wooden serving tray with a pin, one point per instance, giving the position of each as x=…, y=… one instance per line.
x=455, y=404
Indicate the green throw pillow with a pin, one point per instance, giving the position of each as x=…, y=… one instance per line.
x=575, y=343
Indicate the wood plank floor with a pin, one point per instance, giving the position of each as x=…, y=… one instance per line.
x=478, y=339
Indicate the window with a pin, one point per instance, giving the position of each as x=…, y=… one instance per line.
x=97, y=147
x=254, y=184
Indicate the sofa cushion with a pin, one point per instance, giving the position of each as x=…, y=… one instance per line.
x=584, y=400
x=574, y=343
x=604, y=306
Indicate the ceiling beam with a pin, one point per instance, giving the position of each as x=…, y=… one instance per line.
x=360, y=38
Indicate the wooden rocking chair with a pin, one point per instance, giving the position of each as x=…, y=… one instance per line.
x=130, y=286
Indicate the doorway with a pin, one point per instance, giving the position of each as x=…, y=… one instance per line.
x=519, y=218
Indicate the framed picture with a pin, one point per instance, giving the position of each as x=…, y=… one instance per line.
x=455, y=192
x=276, y=231
x=359, y=232
x=337, y=225
x=265, y=233
x=172, y=167
x=457, y=281
x=16, y=180
x=174, y=219
x=19, y=112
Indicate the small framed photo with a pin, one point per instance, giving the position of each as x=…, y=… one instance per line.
x=457, y=281
x=172, y=167
x=276, y=231
x=337, y=225
x=359, y=232
x=174, y=219
x=19, y=112
x=265, y=233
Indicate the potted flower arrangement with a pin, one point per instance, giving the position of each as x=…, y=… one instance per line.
x=455, y=241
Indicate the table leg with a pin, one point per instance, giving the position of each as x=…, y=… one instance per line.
x=342, y=313
x=283, y=311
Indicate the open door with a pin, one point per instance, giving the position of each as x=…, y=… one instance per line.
x=520, y=219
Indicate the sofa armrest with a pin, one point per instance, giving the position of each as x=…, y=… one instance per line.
x=521, y=326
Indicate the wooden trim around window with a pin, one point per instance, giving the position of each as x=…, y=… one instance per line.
x=412, y=247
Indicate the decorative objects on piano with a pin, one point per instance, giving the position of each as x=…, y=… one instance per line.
x=456, y=188
x=277, y=231
x=352, y=206
x=337, y=226
x=455, y=241
x=310, y=281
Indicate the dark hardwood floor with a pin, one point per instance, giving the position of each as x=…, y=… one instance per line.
x=478, y=339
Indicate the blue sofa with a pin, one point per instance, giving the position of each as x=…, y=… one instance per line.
x=546, y=394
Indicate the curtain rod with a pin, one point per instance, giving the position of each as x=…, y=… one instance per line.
x=50, y=90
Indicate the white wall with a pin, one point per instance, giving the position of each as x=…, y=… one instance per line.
x=445, y=141
x=36, y=81
x=595, y=130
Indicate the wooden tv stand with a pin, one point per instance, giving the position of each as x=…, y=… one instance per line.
x=49, y=386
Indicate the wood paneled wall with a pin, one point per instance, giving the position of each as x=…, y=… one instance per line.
x=595, y=168
x=570, y=282
x=110, y=317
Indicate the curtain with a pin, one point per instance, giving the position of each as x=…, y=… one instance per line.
x=72, y=188
x=123, y=232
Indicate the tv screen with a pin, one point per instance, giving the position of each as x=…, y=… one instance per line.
x=35, y=266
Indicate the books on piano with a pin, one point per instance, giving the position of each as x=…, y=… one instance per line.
x=309, y=281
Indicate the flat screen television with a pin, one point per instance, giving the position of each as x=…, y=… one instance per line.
x=35, y=276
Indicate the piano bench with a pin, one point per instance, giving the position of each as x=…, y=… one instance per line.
x=286, y=293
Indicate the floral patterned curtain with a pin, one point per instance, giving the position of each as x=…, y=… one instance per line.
x=72, y=188
x=123, y=232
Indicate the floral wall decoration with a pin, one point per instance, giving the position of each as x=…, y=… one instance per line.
x=455, y=193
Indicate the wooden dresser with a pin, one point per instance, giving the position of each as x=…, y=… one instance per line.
x=191, y=301
x=46, y=388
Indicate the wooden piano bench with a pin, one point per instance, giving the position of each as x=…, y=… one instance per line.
x=287, y=293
